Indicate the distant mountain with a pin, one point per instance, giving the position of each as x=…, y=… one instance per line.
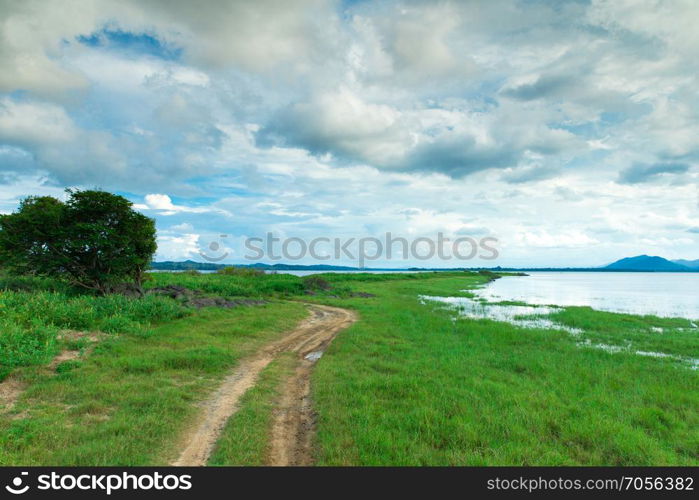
x=692, y=264
x=645, y=263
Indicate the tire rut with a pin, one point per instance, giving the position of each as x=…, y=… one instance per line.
x=293, y=426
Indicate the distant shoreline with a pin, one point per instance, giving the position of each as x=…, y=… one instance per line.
x=209, y=266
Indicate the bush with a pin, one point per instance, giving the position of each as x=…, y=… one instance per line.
x=245, y=272
x=314, y=283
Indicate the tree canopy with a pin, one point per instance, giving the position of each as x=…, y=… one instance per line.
x=95, y=239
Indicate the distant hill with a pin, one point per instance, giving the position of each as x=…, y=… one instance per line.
x=185, y=265
x=210, y=266
x=692, y=264
x=645, y=263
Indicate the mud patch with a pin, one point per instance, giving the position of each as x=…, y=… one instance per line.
x=196, y=299
x=291, y=439
x=11, y=388
x=75, y=335
x=10, y=391
x=63, y=357
x=221, y=302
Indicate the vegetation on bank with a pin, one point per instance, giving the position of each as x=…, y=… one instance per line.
x=411, y=384
x=34, y=310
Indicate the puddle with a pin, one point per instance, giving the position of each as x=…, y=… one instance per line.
x=613, y=349
x=605, y=347
x=313, y=356
x=517, y=315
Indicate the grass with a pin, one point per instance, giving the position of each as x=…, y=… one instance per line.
x=408, y=384
x=34, y=310
x=411, y=385
x=127, y=402
x=673, y=336
x=244, y=440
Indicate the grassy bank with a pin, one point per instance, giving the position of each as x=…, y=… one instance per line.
x=412, y=385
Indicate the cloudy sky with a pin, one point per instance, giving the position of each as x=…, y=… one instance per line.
x=567, y=130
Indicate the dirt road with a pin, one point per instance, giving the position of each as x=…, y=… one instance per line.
x=292, y=430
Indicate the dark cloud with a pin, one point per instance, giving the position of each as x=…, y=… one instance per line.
x=15, y=159
x=641, y=172
x=458, y=157
x=543, y=87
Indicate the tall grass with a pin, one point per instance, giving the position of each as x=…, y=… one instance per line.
x=232, y=284
x=30, y=320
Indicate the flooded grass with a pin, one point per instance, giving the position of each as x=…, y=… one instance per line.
x=523, y=316
x=545, y=317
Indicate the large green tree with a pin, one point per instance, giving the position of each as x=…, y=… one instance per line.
x=95, y=239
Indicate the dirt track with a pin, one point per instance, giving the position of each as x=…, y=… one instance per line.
x=292, y=430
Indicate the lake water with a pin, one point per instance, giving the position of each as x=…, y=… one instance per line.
x=660, y=294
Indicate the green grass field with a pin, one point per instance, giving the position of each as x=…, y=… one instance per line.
x=410, y=383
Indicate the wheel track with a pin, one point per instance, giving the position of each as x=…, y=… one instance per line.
x=294, y=421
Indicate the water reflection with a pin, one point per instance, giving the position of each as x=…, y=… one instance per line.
x=661, y=294
x=521, y=316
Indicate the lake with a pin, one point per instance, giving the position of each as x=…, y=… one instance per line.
x=660, y=294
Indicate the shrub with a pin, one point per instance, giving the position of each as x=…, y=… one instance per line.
x=313, y=283
x=246, y=272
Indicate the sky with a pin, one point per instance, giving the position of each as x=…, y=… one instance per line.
x=566, y=130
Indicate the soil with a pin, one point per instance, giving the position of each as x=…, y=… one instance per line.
x=196, y=299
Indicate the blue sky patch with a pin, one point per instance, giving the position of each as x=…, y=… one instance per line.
x=126, y=41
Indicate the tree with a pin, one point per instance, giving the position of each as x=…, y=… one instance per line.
x=95, y=239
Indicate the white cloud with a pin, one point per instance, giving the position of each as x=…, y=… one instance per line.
x=178, y=247
x=163, y=205
x=26, y=122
